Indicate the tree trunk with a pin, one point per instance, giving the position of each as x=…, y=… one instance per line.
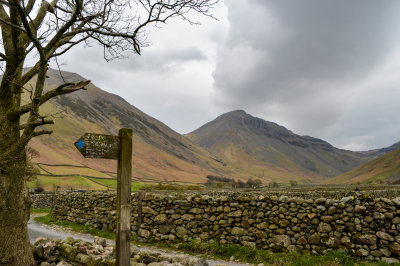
x=14, y=215
x=14, y=197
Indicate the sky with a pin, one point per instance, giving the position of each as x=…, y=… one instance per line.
x=327, y=69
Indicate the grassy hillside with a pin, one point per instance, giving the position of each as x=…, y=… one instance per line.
x=159, y=153
x=385, y=169
x=245, y=165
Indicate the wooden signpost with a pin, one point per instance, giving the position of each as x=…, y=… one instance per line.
x=118, y=148
x=99, y=146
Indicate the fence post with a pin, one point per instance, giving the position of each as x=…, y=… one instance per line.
x=124, y=198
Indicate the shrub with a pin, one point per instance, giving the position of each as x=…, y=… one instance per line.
x=194, y=187
x=258, y=182
x=241, y=184
x=219, y=179
x=250, y=183
x=149, y=187
x=38, y=189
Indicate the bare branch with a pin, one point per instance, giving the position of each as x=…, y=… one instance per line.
x=3, y=13
x=74, y=87
x=44, y=8
x=60, y=90
x=71, y=44
x=42, y=132
x=8, y=23
x=29, y=6
x=31, y=33
x=39, y=122
x=29, y=74
x=59, y=34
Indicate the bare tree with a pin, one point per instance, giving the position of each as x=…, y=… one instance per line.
x=44, y=30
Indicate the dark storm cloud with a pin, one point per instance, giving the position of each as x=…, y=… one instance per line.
x=333, y=39
x=302, y=58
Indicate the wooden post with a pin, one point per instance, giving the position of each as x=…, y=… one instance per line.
x=140, y=217
x=124, y=197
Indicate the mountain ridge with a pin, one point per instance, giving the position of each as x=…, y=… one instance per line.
x=262, y=139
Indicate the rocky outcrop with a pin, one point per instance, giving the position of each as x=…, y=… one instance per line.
x=72, y=252
x=364, y=227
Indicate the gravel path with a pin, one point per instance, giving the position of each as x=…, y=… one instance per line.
x=36, y=230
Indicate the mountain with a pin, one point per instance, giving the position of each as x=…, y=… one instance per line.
x=235, y=145
x=268, y=149
x=159, y=153
x=385, y=169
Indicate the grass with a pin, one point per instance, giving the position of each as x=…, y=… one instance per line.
x=112, y=183
x=37, y=210
x=253, y=255
x=70, y=170
x=67, y=182
x=136, y=186
x=87, y=229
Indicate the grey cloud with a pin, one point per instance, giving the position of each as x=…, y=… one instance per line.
x=334, y=39
x=373, y=121
x=152, y=60
x=153, y=82
x=162, y=59
x=303, y=56
x=325, y=41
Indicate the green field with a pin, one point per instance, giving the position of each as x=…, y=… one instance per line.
x=72, y=177
x=65, y=183
x=78, y=182
x=112, y=183
x=71, y=170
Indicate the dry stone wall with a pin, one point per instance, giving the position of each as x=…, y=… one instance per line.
x=365, y=227
x=41, y=200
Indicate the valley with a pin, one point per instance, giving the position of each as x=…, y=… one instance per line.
x=235, y=145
